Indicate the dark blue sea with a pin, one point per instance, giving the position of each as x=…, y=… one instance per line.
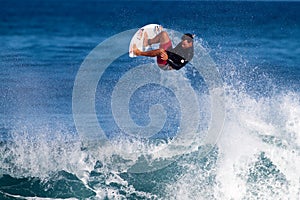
x=80, y=119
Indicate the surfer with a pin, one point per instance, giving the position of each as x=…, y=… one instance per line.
x=168, y=58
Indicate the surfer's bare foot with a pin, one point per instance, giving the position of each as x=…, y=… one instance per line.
x=135, y=50
x=145, y=42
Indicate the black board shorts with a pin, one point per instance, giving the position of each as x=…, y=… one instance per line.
x=175, y=60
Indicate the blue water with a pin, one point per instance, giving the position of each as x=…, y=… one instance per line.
x=256, y=48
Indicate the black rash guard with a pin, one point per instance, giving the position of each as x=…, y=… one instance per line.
x=179, y=57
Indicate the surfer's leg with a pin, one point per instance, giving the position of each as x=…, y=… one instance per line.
x=161, y=38
x=145, y=42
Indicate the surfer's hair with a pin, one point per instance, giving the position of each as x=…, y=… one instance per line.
x=187, y=36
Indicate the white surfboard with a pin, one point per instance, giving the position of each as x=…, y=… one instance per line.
x=138, y=39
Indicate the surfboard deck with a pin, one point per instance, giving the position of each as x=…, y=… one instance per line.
x=138, y=38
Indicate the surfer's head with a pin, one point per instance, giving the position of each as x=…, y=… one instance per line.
x=187, y=40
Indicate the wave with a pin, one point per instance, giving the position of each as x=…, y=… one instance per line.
x=255, y=157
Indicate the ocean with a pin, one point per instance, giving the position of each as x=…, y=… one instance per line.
x=80, y=119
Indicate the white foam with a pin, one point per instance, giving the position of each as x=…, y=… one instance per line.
x=249, y=121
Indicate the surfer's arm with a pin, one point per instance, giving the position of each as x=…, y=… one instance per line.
x=153, y=53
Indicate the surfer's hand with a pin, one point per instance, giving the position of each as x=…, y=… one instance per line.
x=164, y=55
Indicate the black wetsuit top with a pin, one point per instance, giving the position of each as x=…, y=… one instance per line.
x=179, y=57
